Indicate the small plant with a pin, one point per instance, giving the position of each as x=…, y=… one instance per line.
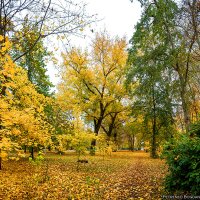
x=92, y=181
x=105, y=146
x=38, y=160
x=80, y=142
x=42, y=168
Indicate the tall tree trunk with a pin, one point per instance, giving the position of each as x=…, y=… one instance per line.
x=97, y=126
x=154, y=131
x=132, y=142
x=153, y=145
x=185, y=107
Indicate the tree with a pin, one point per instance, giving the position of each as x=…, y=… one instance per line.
x=175, y=27
x=92, y=82
x=22, y=117
x=48, y=18
x=5, y=73
x=154, y=82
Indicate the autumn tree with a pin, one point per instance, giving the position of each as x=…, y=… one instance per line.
x=91, y=82
x=45, y=18
x=22, y=117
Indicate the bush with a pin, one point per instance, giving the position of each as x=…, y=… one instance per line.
x=195, y=129
x=81, y=141
x=183, y=159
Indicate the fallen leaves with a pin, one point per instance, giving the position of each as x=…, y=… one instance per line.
x=124, y=175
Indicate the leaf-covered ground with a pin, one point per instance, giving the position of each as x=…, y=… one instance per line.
x=123, y=175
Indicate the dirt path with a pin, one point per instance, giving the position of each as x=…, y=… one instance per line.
x=142, y=179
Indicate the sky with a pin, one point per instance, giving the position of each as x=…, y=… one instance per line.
x=118, y=17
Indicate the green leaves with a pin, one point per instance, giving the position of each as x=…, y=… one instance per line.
x=161, y=66
x=183, y=159
x=34, y=61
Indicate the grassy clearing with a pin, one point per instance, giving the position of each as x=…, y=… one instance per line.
x=124, y=175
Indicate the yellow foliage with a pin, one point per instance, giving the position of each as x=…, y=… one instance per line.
x=21, y=107
x=3, y=154
x=94, y=81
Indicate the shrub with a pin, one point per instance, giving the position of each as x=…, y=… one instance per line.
x=183, y=159
x=195, y=129
x=81, y=141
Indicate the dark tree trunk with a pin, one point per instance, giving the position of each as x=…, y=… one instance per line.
x=154, y=128
x=153, y=146
x=186, y=113
x=115, y=137
x=32, y=152
x=132, y=142
x=24, y=148
x=111, y=127
x=112, y=124
x=92, y=147
x=97, y=126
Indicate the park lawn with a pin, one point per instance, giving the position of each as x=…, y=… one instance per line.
x=123, y=175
